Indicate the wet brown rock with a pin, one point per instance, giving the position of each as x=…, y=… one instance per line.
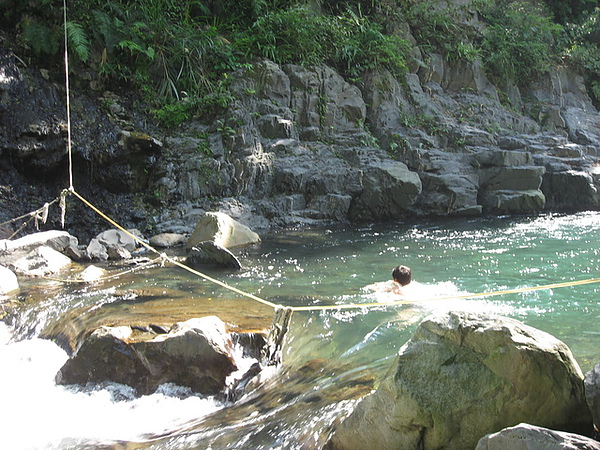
x=196, y=353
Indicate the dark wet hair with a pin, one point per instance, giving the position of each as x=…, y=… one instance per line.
x=402, y=275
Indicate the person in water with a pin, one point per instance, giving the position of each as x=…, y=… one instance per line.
x=401, y=277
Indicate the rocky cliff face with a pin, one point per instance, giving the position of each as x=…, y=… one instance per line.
x=302, y=146
x=306, y=147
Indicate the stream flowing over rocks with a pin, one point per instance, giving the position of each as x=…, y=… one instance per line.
x=298, y=147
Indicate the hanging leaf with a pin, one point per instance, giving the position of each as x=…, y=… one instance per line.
x=78, y=40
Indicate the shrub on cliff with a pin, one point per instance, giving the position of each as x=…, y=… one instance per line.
x=350, y=41
x=520, y=42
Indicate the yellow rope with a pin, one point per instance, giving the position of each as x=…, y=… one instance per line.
x=453, y=297
x=171, y=260
x=331, y=307
x=252, y=296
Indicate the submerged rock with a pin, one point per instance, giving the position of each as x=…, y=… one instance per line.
x=208, y=253
x=91, y=273
x=462, y=376
x=196, y=354
x=531, y=437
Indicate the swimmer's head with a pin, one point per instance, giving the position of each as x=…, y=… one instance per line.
x=402, y=275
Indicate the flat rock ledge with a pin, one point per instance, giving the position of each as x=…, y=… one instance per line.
x=463, y=376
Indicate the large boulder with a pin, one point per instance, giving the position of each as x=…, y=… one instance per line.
x=389, y=188
x=462, y=376
x=530, y=437
x=57, y=240
x=196, y=353
x=113, y=244
x=223, y=231
x=118, y=238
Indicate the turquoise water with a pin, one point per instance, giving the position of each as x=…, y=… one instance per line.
x=331, y=358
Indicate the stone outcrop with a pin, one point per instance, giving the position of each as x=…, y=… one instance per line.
x=463, y=376
x=388, y=189
x=196, y=354
x=509, y=182
x=439, y=144
x=530, y=437
x=222, y=230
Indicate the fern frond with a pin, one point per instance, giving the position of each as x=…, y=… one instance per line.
x=78, y=40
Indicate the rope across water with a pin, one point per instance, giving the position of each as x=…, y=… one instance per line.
x=256, y=298
x=71, y=190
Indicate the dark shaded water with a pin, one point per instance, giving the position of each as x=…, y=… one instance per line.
x=331, y=358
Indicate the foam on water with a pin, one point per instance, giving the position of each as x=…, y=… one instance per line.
x=445, y=296
x=37, y=413
x=449, y=260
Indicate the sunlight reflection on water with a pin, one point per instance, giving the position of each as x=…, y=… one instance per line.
x=331, y=357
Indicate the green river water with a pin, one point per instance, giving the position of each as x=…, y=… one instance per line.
x=331, y=358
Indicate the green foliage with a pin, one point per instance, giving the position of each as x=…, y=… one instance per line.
x=437, y=29
x=520, y=41
x=179, y=53
x=41, y=38
x=361, y=45
x=292, y=35
x=78, y=40
x=570, y=11
x=350, y=42
x=584, y=52
x=172, y=114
